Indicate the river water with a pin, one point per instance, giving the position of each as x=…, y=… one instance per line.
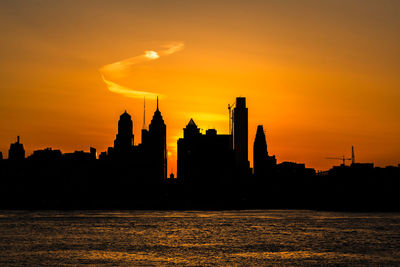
x=261, y=237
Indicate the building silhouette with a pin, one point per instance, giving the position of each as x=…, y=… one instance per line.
x=81, y=155
x=240, y=136
x=142, y=163
x=206, y=159
x=129, y=176
x=17, y=151
x=1, y=155
x=47, y=154
x=263, y=164
x=155, y=142
x=124, y=140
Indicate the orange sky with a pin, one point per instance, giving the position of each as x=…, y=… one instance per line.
x=320, y=76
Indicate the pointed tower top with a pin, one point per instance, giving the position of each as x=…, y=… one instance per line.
x=125, y=115
x=157, y=117
x=192, y=123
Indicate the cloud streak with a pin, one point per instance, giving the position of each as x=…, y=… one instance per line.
x=121, y=69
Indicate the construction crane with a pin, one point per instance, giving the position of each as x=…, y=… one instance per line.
x=344, y=159
x=230, y=106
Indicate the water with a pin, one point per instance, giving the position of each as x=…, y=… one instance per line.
x=198, y=238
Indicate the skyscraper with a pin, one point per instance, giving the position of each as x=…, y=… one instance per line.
x=263, y=163
x=158, y=145
x=124, y=140
x=17, y=151
x=240, y=135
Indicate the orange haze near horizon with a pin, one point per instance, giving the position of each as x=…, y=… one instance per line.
x=320, y=76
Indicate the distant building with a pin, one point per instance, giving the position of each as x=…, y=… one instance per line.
x=294, y=170
x=364, y=166
x=1, y=155
x=240, y=136
x=46, y=154
x=263, y=163
x=81, y=155
x=17, y=151
x=204, y=158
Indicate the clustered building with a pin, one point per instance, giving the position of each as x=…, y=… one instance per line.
x=202, y=158
x=210, y=167
x=148, y=160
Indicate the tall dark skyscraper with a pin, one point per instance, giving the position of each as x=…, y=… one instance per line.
x=263, y=163
x=240, y=135
x=259, y=149
x=17, y=151
x=158, y=145
x=124, y=140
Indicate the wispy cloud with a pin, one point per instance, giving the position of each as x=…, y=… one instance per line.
x=125, y=91
x=121, y=68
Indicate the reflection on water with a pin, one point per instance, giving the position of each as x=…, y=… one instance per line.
x=198, y=238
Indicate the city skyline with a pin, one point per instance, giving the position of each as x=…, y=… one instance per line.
x=126, y=149
x=174, y=168
x=318, y=88
x=199, y=132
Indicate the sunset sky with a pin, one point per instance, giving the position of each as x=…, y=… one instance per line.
x=320, y=76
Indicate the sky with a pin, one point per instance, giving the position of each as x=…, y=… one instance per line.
x=320, y=76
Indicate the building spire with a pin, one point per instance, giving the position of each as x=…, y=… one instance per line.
x=157, y=102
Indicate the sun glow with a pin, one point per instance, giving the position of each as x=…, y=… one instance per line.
x=151, y=54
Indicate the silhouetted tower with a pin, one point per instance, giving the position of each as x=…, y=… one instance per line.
x=17, y=151
x=158, y=145
x=1, y=155
x=353, y=157
x=259, y=150
x=191, y=130
x=240, y=135
x=263, y=163
x=124, y=140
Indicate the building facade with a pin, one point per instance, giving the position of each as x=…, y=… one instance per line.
x=241, y=136
x=206, y=159
x=264, y=165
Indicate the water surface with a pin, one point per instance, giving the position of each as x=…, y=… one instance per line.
x=198, y=238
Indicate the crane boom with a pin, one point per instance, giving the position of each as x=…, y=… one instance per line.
x=342, y=158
